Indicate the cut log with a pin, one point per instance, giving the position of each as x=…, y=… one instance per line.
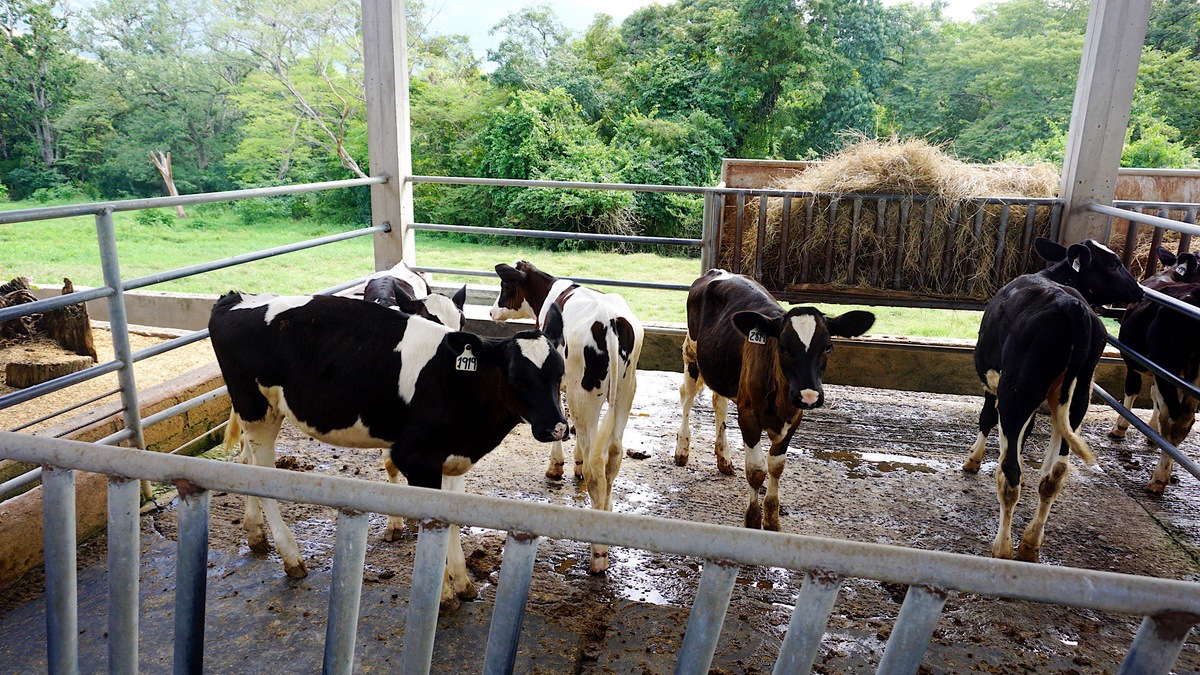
x=22, y=374
x=69, y=326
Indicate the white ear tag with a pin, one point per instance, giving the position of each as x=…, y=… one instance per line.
x=757, y=337
x=466, y=362
x=1075, y=264
x=1181, y=270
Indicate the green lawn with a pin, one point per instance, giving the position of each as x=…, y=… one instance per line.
x=53, y=249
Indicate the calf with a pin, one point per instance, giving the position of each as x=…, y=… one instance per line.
x=1040, y=341
x=746, y=347
x=357, y=374
x=1135, y=325
x=1172, y=340
x=602, y=340
x=409, y=292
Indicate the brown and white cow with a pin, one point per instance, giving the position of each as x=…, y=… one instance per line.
x=770, y=361
x=602, y=340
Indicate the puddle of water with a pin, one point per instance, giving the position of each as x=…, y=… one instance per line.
x=629, y=578
x=868, y=463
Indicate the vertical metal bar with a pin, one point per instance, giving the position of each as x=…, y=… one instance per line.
x=516, y=573
x=429, y=567
x=926, y=230
x=124, y=553
x=191, y=576
x=1056, y=213
x=58, y=531
x=761, y=243
x=902, y=227
x=738, y=226
x=809, y=205
x=1027, y=235
x=1001, y=234
x=785, y=227
x=914, y=626
x=1157, y=644
x=111, y=267
x=829, y=225
x=977, y=232
x=719, y=239
x=1155, y=242
x=950, y=248
x=345, y=590
x=1185, y=240
x=853, y=253
x=709, y=247
x=880, y=226
x=1131, y=235
x=708, y=614
x=803, y=639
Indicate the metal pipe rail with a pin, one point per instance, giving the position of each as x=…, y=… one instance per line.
x=654, y=285
x=1176, y=454
x=1145, y=218
x=1171, y=607
x=1158, y=370
x=553, y=234
x=93, y=208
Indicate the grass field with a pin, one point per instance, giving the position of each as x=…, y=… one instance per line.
x=49, y=250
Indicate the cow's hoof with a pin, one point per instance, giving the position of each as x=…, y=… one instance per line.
x=971, y=465
x=450, y=602
x=259, y=545
x=394, y=529
x=1117, y=433
x=724, y=466
x=1002, y=551
x=754, y=517
x=579, y=469
x=1027, y=554
x=555, y=472
x=296, y=571
x=599, y=566
x=771, y=514
x=681, y=458
x=466, y=591
x=1156, y=486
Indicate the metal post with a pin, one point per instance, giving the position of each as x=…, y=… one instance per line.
x=914, y=626
x=191, y=571
x=1157, y=644
x=111, y=268
x=708, y=614
x=708, y=251
x=516, y=572
x=424, y=599
x=58, y=525
x=349, y=551
x=803, y=639
x=124, y=553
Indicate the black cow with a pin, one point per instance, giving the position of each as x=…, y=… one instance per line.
x=357, y=374
x=746, y=347
x=1135, y=325
x=406, y=290
x=1040, y=341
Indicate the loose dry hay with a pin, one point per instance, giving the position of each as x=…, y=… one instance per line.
x=1144, y=248
x=939, y=253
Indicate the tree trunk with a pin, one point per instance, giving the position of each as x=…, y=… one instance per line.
x=163, y=163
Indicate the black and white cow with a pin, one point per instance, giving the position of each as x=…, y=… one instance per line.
x=409, y=291
x=602, y=341
x=1135, y=326
x=357, y=374
x=1172, y=340
x=769, y=360
x=1040, y=341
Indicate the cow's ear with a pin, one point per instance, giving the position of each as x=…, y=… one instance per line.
x=460, y=298
x=510, y=273
x=408, y=305
x=1166, y=257
x=850, y=324
x=1079, y=256
x=1051, y=251
x=747, y=322
x=553, y=328
x=1189, y=262
x=459, y=341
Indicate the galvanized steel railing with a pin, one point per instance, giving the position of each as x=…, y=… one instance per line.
x=1170, y=607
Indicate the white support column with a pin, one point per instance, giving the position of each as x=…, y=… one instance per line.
x=1103, y=96
x=385, y=83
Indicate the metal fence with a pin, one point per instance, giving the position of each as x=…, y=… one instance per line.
x=1170, y=607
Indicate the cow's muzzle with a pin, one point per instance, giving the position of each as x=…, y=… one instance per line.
x=808, y=399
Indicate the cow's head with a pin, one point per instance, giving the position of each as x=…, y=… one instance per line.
x=1182, y=268
x=436, y=308
x=803, y=339
x=1092, y=269
x=511, y=303
x=533, y=371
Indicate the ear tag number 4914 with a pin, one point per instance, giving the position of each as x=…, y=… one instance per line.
x=757, y=337
x=466, y=362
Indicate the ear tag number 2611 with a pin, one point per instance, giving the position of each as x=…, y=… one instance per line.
x=757, y=337
x=466, y=362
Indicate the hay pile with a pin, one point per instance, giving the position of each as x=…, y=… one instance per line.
x=945, y=247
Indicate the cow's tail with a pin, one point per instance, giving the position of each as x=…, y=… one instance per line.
x=608, y=425
x=1072, y=386
x=233, y=436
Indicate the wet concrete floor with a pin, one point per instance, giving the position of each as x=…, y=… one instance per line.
x=873, y=465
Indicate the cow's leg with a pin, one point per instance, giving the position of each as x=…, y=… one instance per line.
x=587, y=406
x=721, y=414
x=626, y=390
x=1133, y=385
x=1015, y=419
x=692, y=383
x=1176, y=418
x=756, y=467
x=395, y=524
x=457, y=583
x=987, y=421
x=555, y=470
x=1054, y=468
x=259, y=438
x=1156, y=410
x=775, y=463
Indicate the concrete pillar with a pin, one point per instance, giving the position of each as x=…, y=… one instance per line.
x=385, y=83
x=1103, y=96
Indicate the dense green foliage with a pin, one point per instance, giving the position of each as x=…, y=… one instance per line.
x=254, y=92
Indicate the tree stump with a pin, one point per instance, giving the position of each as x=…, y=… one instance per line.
x=69, y=326
x=21, y=374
